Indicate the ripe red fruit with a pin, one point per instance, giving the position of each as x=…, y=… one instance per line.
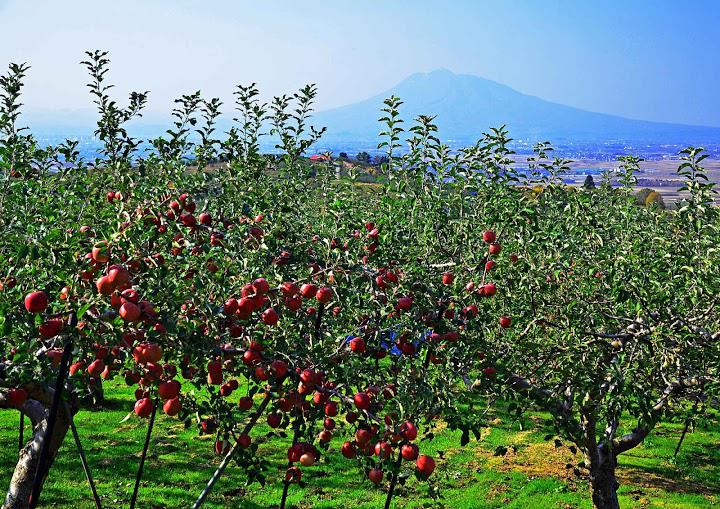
x=208, y=426
x=425, y=465
x=307, y=459
x=324, y=295
x=226, y=390
x=144, y=407
x=172, y=407
x=331, y=409
x=36, y=302
x=245, y=403
x=51, y=328
x=222, y=447
x=375, y=475
x=270, y=317
x=274, y=420
x=408, y=431
x=513, y=258
x=489, y=289
x=129, y=312
x=100, y=252
x=495, y=248
x=214, y=373
x=362, y=436
x=289, y=289
x=169, y=389
x=17, y=397
x=230, y=306
x=205, y=219
x=324, y=436
x=448, y=278
x=348, y=450
x=261, y=286
x=489, y=236
x=151, y=352
x=409, y=452
x=357, y=345
x=76, y=367
x=104, y=286
x=118, y=276
x=404, y=303
x=245, y=308
x=293, y=475
x=188, y=220
x=279, y=368
x=362, y=401
x=383, y=450
x=489, y=372
x=295, y=451
x=505, y=322
x=308, y=290
x=489, y=265
x=130, y=295
x=244, y=441
x=96, y=367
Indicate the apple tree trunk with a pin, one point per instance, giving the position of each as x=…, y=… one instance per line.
x=604, y=485
x=21, y=484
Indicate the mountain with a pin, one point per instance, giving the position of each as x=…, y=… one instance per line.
x=466, y=106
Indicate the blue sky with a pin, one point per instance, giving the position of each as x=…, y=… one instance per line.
x=654, y=60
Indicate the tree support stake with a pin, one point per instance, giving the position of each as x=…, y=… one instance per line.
x=226, y=460
x=139, y=474
x=86, y=466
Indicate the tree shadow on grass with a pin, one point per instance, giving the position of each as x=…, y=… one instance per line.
x=666, y=479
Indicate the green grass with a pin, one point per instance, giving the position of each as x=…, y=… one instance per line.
x=532, y=473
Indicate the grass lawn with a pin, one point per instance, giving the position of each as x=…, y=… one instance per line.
x=532, y=474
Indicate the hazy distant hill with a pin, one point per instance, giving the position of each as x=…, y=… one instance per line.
x=467, y=105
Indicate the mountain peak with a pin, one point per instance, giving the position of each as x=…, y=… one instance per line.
x=466, y=105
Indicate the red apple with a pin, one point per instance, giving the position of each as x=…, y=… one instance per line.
x=408, y=431
x=172, y=407
x=409, y=452
x=375, y=475
x=362, y=401
x=348, y=450
x=308, y=290
x=169, y=389
x=143, y=407
x=425, y=465
x=17, y=397
x=324, y=295
x=357, y=345
x=36, y=302
x=270, y=317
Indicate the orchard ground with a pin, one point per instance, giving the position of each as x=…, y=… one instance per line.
x=530, y=474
